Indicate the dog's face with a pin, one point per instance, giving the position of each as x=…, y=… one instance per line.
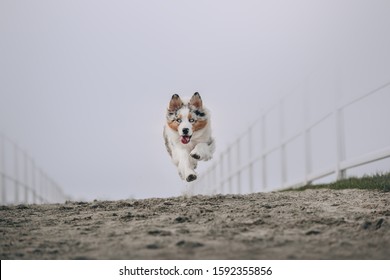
x=186, y=119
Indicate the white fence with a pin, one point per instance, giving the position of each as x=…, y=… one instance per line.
x=21, y=180
x=304, y=138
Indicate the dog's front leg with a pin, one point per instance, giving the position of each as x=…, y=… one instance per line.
x=204, y=151
x=186, y=166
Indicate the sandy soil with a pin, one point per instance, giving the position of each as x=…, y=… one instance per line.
x=314, y=224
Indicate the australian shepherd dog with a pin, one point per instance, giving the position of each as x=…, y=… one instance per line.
x=187, y=134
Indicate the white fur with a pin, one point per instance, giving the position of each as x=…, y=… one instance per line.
x=200, y=147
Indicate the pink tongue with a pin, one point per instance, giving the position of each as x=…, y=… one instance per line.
x=185, y=139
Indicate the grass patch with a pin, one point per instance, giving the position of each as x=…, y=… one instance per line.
x=375, y=182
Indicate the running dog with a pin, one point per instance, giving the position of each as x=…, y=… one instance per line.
x=187, y=134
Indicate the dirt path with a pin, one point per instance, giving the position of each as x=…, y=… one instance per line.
x=314, y=224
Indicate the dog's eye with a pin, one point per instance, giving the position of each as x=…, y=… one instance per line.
x=191, y=120
x=178, y=120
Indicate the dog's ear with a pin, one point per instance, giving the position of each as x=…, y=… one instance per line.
x=175, y=103
x=196, y=101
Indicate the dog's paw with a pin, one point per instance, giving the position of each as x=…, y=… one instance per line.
x=194, y=155
x=201, y=152
x=200, y=156
x=191, y=177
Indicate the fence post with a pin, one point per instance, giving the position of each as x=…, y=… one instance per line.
x=229, y=162
x=340, y=138
x=238, y=167
x=250, y=151
x=307, y=131
x=264, y=146
x=282, y=145
x=33, y=182
x=339, y=118
x=46, y=188
x=215, y=176
x=41, y=183
x=221, y=173
x=2, y=170
x=26, y=185
x=16, y=173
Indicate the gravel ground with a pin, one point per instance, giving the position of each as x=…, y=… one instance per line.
x=312, y=224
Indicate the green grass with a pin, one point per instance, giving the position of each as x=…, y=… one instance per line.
x=375, y=182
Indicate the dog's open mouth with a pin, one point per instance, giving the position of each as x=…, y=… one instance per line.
x=185, y=139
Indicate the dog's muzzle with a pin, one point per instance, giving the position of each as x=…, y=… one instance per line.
x=185, y=139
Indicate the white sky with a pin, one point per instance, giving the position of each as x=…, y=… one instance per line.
x=84, y=84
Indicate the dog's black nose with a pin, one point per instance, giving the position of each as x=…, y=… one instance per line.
x=185, y=131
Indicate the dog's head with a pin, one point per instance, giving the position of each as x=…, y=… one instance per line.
x=186, y=117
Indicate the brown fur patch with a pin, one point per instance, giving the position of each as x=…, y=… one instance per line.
x=174, y=124
x=199, y=125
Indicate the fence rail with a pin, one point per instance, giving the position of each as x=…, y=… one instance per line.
x=246, y=162
x=21, y=180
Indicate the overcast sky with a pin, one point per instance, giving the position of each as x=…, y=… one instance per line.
x=84, y=85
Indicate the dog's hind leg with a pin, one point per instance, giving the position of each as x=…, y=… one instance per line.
x=186, y=166
x=189, y=173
